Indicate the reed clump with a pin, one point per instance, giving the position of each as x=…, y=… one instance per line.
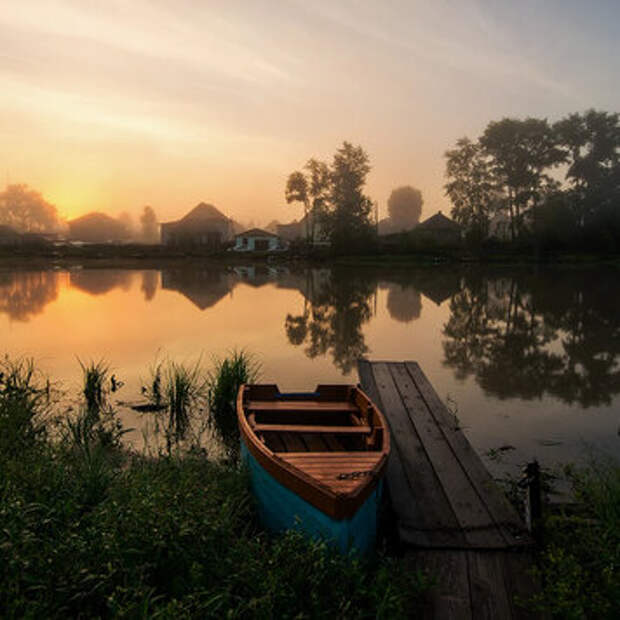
x=181, y=390
x=227, y=375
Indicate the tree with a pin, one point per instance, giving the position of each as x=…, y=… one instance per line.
x=470, y=187
x=334, y=196
x=297, y=191
x=405, y=207
x=148, y=225
x=591, y=146
x=520, y=153
x=319, y=182
x=347, y=220
x=26, y=210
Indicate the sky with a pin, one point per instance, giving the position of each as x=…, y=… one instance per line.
x=112, y=105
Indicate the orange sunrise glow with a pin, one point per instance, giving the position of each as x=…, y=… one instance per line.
x=110, y=106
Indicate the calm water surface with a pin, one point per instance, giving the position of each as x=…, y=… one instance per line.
x=530, y=358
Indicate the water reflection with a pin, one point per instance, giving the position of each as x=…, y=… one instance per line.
x=517, y=334
x=203, y=287
x=337, y=304
x=150, y=282
x=101, y=281
x=404, y=303
x=24, y=294
x=530, y=335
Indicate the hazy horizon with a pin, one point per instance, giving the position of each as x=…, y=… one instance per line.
x=110, y=107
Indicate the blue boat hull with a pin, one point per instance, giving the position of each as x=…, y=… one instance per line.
x=280, y=509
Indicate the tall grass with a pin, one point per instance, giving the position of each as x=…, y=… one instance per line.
x=25, y=400
x=95, y=377
x=185, y=388
x=182, y=390
x=224, y=380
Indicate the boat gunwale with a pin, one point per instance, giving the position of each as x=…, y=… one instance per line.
x=337, y=505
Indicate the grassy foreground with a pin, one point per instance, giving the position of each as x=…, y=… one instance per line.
x=87, y=529
x=579, y=565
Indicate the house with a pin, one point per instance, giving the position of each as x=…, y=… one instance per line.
x=97, y=228
x=204, y=226
x=257, y=240
x=9, y=237
x=438, y=229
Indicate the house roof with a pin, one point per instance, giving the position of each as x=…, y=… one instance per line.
x=438, y=222
x=202, y=212
x=93, y=218
x=256, y=232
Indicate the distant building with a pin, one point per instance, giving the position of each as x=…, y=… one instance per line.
x=257, y=240
x=298, y=230
x=9, y=237
x=97, y=228
x=204, y=226
x=439, y=229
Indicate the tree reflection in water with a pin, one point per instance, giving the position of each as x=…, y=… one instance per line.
x=553, y=333
x=24, y=294
x=336, y=307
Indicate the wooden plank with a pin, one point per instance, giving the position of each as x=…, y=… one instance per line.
x=489, y=596
x=521, y=585
x=407, y=512
x=300, y=405
x=470, y=510
x=500, y=509
x=449, y=598
x=335, y=456
x=299, y=428
x=424, y=507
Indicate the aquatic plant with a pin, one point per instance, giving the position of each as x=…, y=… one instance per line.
x=185, y=387
x=228, y=374
x=95, y=377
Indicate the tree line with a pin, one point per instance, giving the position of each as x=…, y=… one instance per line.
x=25, y=210
x=557, y=184
x=336, y=207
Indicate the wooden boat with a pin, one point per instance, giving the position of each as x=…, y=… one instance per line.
x=316, y=460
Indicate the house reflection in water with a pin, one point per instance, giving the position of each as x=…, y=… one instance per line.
x=101, y=281
x=203, y=287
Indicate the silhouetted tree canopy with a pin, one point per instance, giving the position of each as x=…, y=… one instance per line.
x=26, y=210
x=511, y=170
x=405, y=207
x=334, y=196
x=470, y=187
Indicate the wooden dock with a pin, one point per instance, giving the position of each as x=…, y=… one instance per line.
x=451, y=518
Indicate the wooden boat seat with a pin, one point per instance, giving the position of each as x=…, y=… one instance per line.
x=299, y=405
x=298, y=428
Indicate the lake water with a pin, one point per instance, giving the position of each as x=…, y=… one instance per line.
x=528, y=358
